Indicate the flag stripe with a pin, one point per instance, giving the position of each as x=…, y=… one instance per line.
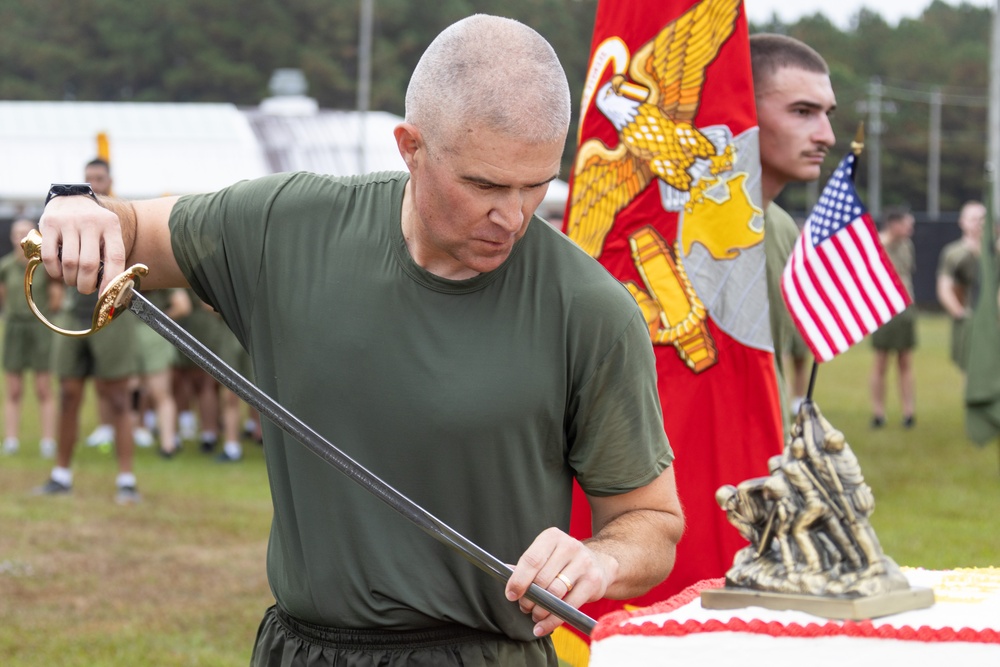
x=821, y=295
x=868, y=281
x=860, y=274
x=889, y=284
x=837, y=288
x=810, y=299
x=855, y=300
x=861, y=277
x=814, y=333
x=860, y=300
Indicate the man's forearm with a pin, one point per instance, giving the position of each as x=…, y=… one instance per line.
x=642, y=545
x=145, y=230
x=953, y=306
x=948, y=299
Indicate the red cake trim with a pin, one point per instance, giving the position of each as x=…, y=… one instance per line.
x=615, y=624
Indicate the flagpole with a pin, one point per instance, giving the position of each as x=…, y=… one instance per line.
x=993, y=136
x=812, y=381
x=857, y=145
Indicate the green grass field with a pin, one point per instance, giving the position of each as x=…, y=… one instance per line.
x=179, y=579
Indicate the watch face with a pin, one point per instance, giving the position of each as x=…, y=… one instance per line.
x=69, y=190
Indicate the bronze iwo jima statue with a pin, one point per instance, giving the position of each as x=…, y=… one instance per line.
x=812, y=547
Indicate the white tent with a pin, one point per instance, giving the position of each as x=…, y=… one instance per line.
x=296, y=135
x=154, y=148
x=341, y=143
x=161, y=148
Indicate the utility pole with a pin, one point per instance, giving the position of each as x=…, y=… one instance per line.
x=364, y=76
x=934, y=156
x=993, y=114
x=873, y=139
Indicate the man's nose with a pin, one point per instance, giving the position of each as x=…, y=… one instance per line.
x=509, y=211
x=824, y=132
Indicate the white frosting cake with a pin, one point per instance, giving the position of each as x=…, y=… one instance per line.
x=962, y=628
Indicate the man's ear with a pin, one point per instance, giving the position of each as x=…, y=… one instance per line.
x=409, y=142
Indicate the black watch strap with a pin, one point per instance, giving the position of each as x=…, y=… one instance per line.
x=70, y=190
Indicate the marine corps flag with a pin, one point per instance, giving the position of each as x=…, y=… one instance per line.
x=665, y=192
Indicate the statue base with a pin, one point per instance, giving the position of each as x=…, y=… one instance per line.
x=841, y=608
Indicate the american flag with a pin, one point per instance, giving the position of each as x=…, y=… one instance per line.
x=839, y=283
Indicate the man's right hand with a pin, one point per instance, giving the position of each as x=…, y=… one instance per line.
x=77, y=235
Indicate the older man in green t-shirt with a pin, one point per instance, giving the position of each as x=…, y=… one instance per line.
x=443, y=336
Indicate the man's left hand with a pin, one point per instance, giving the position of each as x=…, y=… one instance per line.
x=564, y=567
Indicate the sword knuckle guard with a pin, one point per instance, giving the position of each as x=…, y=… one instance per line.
x=112, y=302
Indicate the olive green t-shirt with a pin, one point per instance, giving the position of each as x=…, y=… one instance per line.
x=959, y=262
x=479, y=399
x=780, y=234
x=962, y=265
x=903, y=255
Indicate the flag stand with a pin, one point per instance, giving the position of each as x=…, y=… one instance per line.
x=812, y=381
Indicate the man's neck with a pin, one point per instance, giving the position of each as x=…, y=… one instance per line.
x=408, y=219
x=769, y=189
x=423, y=255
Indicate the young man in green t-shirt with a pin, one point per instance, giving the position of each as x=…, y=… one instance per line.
x=794, y=101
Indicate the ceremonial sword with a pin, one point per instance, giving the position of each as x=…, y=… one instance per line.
x=123, y=294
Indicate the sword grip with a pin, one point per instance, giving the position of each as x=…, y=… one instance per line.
x=111, y=303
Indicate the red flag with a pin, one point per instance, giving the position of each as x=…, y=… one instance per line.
x=839, y=282
x=665, y=192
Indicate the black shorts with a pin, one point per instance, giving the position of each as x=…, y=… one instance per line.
x=283, y=641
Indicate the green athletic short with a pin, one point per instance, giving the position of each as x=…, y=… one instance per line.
x=961, y=330
x=27, y=346
x=110, y=354
x=283, y=641
x=899, y=333
x=156, y=353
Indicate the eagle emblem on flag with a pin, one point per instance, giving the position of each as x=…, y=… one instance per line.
x=653, y=113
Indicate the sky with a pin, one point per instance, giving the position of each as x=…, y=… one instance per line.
x=840, y=12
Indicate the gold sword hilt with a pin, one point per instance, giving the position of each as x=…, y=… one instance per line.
x=112, y=302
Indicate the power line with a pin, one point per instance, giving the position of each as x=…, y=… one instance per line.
x=927, y=96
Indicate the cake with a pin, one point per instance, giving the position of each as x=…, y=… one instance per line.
x=961, y=628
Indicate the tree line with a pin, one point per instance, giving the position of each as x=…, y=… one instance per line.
x=225, y=51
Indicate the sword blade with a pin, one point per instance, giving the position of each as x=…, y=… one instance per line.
x=321, y=447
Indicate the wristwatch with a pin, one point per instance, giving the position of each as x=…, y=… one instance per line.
x=70, y=190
